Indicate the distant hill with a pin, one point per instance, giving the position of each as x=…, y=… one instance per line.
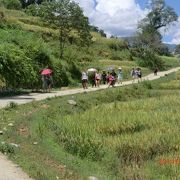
x=171, y=47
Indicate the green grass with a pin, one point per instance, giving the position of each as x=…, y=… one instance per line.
x=118, y=133
x=171, y=61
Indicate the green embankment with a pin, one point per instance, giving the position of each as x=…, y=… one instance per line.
x=118, y=133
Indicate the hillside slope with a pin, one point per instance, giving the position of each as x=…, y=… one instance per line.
x=35, y=45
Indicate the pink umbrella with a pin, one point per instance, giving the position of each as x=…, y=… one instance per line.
x=46, y=71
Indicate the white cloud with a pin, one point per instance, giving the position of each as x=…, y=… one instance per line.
x=173, y=33
x=117, y=17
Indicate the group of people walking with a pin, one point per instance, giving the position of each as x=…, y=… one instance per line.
x=96, y=78
x=110, y=78
x=136, y=74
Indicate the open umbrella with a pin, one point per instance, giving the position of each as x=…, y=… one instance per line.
x=110, y=68
x=46, y=71
x=92, y=70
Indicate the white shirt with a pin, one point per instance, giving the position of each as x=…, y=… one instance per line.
x=84, y=76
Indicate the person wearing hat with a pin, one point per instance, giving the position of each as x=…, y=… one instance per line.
x=120, y=75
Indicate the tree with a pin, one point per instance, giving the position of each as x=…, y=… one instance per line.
x=94, y=28
x=148, y=41
x=148, y=38
x=159, y=16
x=102, y=33
x=68, y=17
x=177, y=50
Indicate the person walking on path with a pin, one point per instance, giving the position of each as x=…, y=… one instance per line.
x=44, y=84
x=114, y=75
x=49, y=82
x=92, y=78
x=98, y=78
x=112, y=80
x=120, y=75
x=155, y=71
x=84, y=79
x=107, y=78
x=47, y=79
x=104, y=76
x=133, y=74
x=139, y=74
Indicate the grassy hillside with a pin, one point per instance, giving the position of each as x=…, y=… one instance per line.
x=34, y=45
x=37, y=43
x=98, y=137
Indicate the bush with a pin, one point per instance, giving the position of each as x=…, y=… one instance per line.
x=6, y=148
x=15, y=66
x=2, y=82
x=116, y=56
x=149, y=59
x=22, y=58
x=32, y=10
x=117, y=45
x=11, y=4
x=60, y=76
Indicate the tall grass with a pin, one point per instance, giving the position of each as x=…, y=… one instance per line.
x=119, y=133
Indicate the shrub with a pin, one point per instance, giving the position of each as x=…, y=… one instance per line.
x=22, y=58
x=32, y=10
x=117, y=45
x=60, y=76
x=11, y=4
x=15, y=66
x=149, y=59
x=12, y=105
x=2, y=82
x=6, y=148
x=116, y=56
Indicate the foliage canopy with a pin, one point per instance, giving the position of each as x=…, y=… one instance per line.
x=68, y=17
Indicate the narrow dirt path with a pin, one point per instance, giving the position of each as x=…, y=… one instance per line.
x=23, y=99
x=10, y=171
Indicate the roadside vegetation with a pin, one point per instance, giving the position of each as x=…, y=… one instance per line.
x=98, y=137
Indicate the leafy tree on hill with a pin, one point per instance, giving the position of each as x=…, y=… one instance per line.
x=103, y=34
x=160, y=16
x=149, y=36
x=68, y=17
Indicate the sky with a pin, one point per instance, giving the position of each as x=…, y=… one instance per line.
x=120, y=17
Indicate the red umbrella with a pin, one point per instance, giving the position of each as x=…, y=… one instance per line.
x=46, y=71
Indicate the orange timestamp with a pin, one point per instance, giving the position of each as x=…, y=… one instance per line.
x=169, y=161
